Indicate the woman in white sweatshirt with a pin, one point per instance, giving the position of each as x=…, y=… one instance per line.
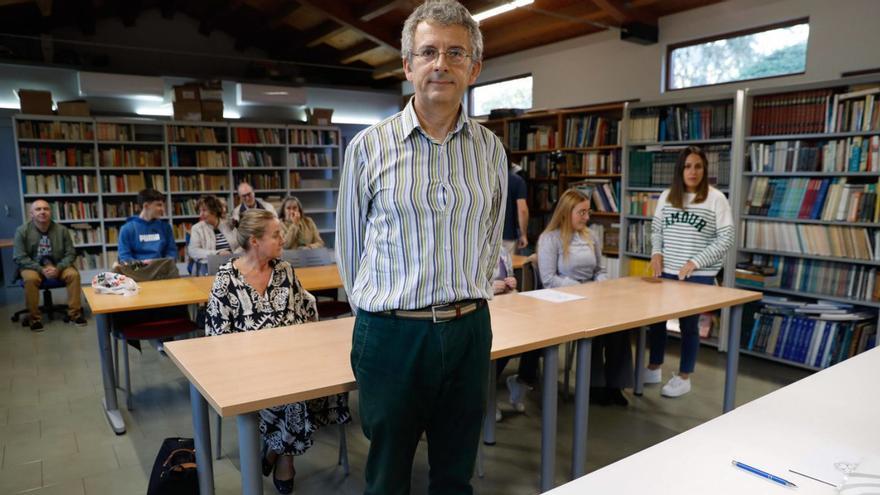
x=691, y=232
x=212, y=234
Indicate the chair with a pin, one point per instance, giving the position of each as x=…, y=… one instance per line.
x=48, y=306
x=332, y=308
x=214, y=261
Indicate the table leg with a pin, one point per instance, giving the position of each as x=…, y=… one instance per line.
x=733, y=335
x=489, y=418
x=202, y=437
x=548, y=417
x=249, y=454
x=581, y=408
x=639, y=381
x=111, y=407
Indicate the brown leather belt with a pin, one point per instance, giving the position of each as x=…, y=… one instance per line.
x=439, y=313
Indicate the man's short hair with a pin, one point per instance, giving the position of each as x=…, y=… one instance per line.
x=149, y=195
x=445, y=13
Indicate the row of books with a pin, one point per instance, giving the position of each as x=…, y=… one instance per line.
x=57, y=157
x=262, y=181
x=257, y=136
x=71, y=210
x=71, y=131
x=818, y=199
x=185, y=207
x=112, y=234
x=542, y=166
x=122, y=209
x=857, y=282
x=657, y=168
x=537, y=137
x=592, y=162
x=546, y=195
x=638, y=237
x=309, y=137
x=603, y=194
x=643, y=203
x=855, y=111
x=114, y=132
x=310, y=159
x=199, y=182
x=821, y=240
x=121, y=157
x=253, y=159
x=190, y=134
x=60, y=184
x=180, y=230
x=198, y=158
x=132, y=183
x=681, y=123
x=89, y=261
x=86, y=235
x=824, y=110
x=814, y=340
x=591, y=131
x=295, y=180
x=609, y=236
x=855, y=154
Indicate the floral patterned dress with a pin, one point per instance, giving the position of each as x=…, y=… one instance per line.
x=235, y=306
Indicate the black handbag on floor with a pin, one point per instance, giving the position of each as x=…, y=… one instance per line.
x=174, y=472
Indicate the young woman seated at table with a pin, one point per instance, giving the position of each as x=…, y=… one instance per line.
x=257, y=291
x=569, y=254
x=298, y=230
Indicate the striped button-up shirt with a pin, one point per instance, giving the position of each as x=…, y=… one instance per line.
x=419, y=221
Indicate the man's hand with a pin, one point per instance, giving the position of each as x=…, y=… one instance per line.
x=522, y=242
x=50, y=272
x=510, y=282
x=499, y=287
x=687, y=270
x=657, y=265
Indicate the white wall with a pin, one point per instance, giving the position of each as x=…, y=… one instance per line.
x=844, y=36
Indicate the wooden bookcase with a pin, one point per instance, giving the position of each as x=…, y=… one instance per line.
x=90, y=170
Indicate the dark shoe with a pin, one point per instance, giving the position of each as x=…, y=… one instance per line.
x=284, y=487
x=615, y=396
x=267, y=466
x=36, y=326
x=599, y=396
x=79, y=321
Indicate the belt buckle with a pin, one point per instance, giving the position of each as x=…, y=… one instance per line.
x=434, y=312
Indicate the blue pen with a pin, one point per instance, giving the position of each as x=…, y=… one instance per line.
x=763, y=474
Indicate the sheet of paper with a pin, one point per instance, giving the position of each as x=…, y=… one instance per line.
x=828, y=465
x=551, y=295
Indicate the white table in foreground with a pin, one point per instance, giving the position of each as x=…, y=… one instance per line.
x=836, y=407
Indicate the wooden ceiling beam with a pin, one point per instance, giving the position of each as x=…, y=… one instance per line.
x=391, y=69
x=323, y=32
x=339, y=12
x=281, y=13
x=378, y=8
x=622, y=13
x=356, y=51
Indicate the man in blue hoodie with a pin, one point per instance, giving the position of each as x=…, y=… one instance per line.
x=146, y=237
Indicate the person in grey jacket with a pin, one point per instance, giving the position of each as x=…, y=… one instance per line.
x=570, y=254
x=212, y=234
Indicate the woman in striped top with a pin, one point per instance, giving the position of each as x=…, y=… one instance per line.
x=569, y=254
x=691, y=233
x=212, y=234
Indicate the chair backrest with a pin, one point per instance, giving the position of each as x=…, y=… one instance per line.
x=531, y=278
x=215, y=260
x=309, y=257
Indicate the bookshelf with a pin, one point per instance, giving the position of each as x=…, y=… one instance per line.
x=90, y=169
x=810, y=214
x=575, y=147
x=654, y=134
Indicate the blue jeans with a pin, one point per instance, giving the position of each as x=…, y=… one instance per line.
x=690, y=333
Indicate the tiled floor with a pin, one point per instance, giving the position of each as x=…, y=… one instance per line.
x=54, y=439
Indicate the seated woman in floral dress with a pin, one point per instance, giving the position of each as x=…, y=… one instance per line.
x=257, y=291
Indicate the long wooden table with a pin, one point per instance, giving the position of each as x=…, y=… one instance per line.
x=167, y=293
x=313, y=359
x=829, y=410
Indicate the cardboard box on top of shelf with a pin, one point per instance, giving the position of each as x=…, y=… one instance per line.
x=212, y=111
x=73, y=108
x=319, y=116
x=212, y=90
x=187, y=92
x=35, y=102
x=188, y=110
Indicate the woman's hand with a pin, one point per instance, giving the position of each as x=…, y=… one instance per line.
x=687, y=270
x=657, y=265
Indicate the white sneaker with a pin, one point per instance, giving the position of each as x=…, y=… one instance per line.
x=498, y=416
x=517, y=391
x=676, y=386
x=652, y=376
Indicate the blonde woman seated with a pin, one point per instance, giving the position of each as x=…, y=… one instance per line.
x=257, y=291
x=569, y=254
x=212, y=234
x=299, y=231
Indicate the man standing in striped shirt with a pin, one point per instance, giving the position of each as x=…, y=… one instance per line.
x=418, y=235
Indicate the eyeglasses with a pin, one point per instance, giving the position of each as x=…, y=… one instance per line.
x=246, y=195
x=581, y=213
x=455, y=56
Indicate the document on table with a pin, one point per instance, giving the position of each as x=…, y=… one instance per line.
x=828, y=465
x=551, y=295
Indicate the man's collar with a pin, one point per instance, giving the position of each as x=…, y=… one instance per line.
x=410, y=121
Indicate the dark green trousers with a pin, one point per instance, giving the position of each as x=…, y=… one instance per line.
x=417, y=376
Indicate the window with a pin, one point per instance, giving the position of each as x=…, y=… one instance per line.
x=515, y=92
x=770, y=51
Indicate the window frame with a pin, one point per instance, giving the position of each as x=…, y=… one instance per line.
x=733, y=34
x=470, y=92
